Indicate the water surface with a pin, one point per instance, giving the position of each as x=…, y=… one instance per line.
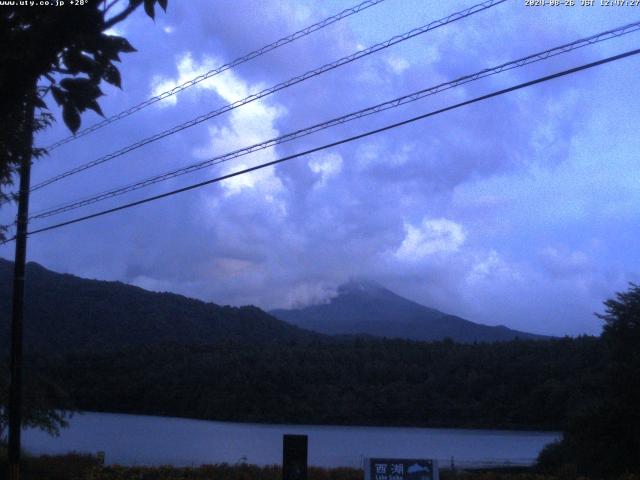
x=147, y=440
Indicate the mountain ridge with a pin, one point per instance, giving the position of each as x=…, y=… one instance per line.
x=365, y=307
x=64, y=312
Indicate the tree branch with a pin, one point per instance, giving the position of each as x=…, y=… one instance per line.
x=121, y=16
x=108, y=7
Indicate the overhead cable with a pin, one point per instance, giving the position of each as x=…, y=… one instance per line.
x=533, y=58
x=340, y=142
x=200, y=78
x=280, y=86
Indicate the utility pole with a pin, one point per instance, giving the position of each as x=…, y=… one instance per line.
x=17, y=312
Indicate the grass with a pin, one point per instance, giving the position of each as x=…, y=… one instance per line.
x=87, y=467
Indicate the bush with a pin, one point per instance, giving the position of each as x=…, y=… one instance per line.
x=552, y=457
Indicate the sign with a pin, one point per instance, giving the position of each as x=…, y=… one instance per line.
x=294, y=457
x=401, y=469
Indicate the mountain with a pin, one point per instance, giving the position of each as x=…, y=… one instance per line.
x=66, y=313
x=367, y=308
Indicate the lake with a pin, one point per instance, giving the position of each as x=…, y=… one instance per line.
x=147, y=440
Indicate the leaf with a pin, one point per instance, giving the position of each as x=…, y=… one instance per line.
x=112, y=75
x=107, y=51
x=75, y=83
x=82, y=90
x=111, y=46
x=58, y=95
x=163, y=4
x=71, y=117
x=39, y=152
x=39, y=103
x=95, y=107
x=125, y=45
x=42, y=121
x=149, y=7
x=76, y=62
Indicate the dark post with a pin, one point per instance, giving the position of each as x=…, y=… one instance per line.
x=17, y=313
x=294, y=457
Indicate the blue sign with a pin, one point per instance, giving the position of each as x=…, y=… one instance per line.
x=401, y=469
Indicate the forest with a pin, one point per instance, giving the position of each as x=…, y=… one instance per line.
x=517, y=384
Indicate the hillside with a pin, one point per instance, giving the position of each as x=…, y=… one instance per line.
x=367, y=308
x=64, y=313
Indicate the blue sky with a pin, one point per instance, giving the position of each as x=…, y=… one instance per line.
x=521, y=210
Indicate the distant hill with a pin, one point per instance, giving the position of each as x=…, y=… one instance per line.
x=65, y=313
x=367, y=308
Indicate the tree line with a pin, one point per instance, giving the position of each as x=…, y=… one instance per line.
x=518, y=384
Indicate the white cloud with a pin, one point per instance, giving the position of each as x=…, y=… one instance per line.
x=308, y=293
x=245, y=125
x=398, y=64
x=435, y=236
x=491, y=266
x=325, y=166
x=227, y=84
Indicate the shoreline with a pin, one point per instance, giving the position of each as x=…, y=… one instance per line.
x=497, y=430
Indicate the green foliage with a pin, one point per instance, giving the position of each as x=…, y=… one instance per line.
x=553, y=457
x=38, y=395
x=622, y=333
x=518, y=384
x=62, y=51
x=603, y=438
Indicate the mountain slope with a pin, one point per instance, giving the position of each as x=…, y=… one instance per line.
x=367, y=308
x=64, y=312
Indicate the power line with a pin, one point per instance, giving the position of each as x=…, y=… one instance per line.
x=600, y=37
x=256, y=96
x=238, y=61
x=340, y=142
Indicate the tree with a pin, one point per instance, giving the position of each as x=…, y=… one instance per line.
x=603, y=439
x=64, y=51
x=621, y=407
x=41, y=394
x=68, y=50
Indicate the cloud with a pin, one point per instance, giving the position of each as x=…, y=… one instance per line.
x=307, y=293
x=398, y=65
x=246, y=125
x=520, y=210
x=432, y=236
x=563, y=263
x=225, y=84
x=325, y=166
x=490, y=266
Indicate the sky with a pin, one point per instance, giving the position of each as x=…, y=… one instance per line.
x=521, y=210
